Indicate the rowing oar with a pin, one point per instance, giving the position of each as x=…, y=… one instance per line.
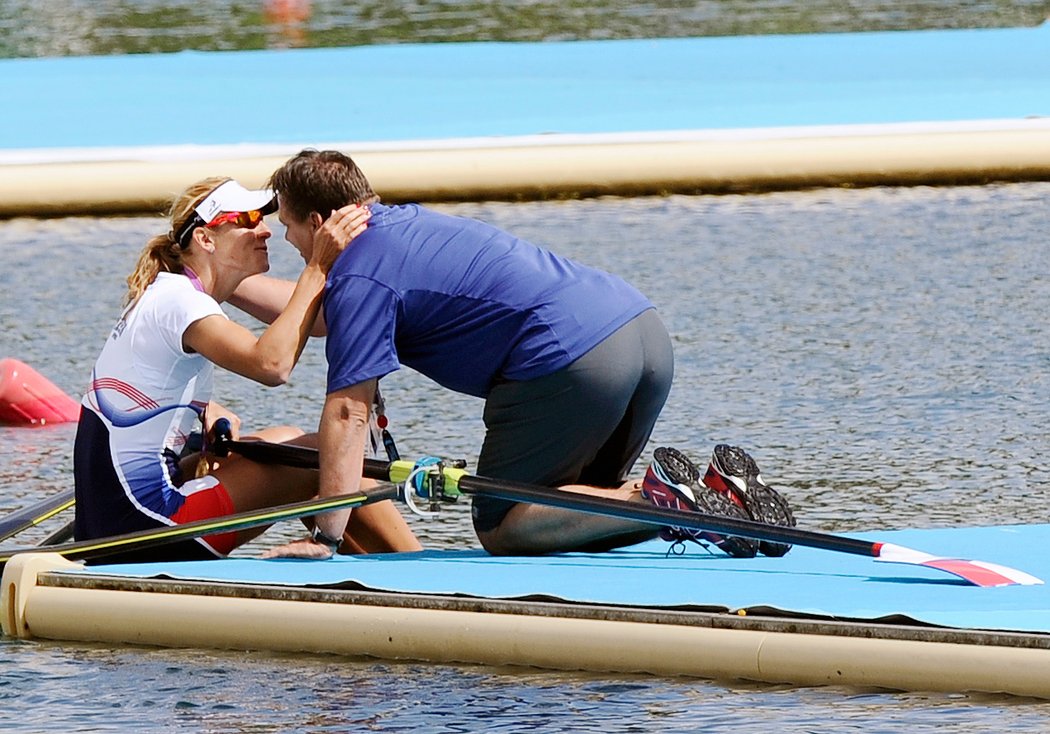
x=35, y=514
x=141, y=539
x=455, y=480
x=61, y=535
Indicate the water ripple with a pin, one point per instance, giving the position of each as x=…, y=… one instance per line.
x=881, y=352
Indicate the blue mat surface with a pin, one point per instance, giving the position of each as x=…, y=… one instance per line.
x=442, y=91
x=805, y=581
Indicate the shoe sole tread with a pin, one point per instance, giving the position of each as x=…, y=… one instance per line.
x=681, y=469
x=763, y=503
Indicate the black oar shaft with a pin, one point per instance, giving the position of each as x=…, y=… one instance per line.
x=63, y=535
x=664, y=516
x=305, y=457
x=101, y=547
x=264, y=452
x=35, y=514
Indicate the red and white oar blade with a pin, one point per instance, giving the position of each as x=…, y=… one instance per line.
x=978, y=573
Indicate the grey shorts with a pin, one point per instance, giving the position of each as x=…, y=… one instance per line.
x=584, y=424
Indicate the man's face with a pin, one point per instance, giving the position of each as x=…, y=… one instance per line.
x=300, y=232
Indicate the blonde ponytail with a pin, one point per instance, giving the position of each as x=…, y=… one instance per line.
x=162, y=253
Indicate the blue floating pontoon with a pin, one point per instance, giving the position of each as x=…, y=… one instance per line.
x=810, y=618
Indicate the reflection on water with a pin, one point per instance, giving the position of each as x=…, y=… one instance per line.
x=289, y=19
x=77, y=27
x=881, y=352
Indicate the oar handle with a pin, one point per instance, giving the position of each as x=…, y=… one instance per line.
x=222, y=430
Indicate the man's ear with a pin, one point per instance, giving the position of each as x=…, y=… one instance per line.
x=316, y=220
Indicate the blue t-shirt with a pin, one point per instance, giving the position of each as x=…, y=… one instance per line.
x=463, y=303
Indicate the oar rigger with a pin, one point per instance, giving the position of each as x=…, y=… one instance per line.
x=428, y=480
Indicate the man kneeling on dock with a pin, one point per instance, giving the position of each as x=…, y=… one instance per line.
x=573, y=363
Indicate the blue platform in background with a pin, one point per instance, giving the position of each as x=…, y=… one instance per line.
x=806, y=581
x=466, y=90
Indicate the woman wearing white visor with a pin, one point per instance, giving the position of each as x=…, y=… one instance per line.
x=150, y=390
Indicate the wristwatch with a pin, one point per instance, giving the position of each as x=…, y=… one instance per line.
x=320, y=538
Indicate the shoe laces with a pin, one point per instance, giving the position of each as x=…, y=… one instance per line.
x=678, y=546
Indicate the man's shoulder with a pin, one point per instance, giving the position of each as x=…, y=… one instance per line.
x=385, y=214
x=418, y=215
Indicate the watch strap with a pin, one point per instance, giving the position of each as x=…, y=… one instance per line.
x=319, y=537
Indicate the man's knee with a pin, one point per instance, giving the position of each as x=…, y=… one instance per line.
x=493, y=545
x=509, y=536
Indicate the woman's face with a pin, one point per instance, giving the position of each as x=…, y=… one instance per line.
x=242, y=250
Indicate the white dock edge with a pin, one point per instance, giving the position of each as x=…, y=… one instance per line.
x=181, y=620
x=114, y=181
x=18, y=581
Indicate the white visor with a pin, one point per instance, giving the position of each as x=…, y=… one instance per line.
x=232, y=197
x=228, y=197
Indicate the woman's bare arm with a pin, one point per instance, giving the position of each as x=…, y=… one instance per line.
x=264, y=298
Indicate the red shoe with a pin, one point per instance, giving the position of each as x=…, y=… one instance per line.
x=672, y=481
x=733, y=472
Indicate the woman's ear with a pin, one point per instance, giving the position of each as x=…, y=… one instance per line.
x=204, y=238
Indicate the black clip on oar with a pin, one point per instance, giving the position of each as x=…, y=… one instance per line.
x=223, y=431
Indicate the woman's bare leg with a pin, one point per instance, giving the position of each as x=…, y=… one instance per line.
x=376, y=528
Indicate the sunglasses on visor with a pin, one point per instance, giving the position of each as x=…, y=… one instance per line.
x=248, y=220
x=228, y=202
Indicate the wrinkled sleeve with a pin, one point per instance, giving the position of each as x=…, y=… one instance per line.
x=172, y=322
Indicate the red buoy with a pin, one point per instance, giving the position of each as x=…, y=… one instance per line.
x=29, y=398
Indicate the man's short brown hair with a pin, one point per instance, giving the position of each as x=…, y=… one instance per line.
x=320, y=181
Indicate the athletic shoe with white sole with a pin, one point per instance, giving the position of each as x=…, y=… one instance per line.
x=673, y=481
x=732, y=471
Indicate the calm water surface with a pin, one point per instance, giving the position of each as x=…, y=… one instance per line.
x=882, y=353
x=90, y=27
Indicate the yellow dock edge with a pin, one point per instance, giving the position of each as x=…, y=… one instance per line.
x=554, y=165
x=180, y=620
